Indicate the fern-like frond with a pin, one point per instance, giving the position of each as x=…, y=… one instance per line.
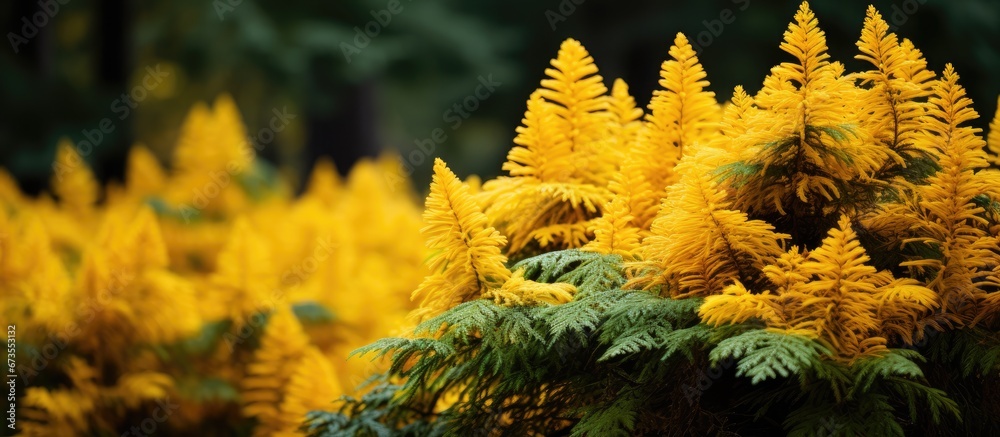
x=519, y=291
x=898, y=84
x=578, y=92
x=631, y=328
x=807, y=43
x=807, y=152
x=244, y=280
x=993, y=140
x=765, y=354
x=618, y=418
x=699, y=244
x=948, y=216
x=832, y=295
x=466, y=259
x=542, y=217
x=543, y=151
x=313, y=385
x=614, y=233
x=737, y=305
x=626, y=118
x=735, y=116
x=263, y=389
x=588, y=271
x=682, y=114
x=568, y=150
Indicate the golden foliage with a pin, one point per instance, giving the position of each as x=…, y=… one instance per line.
x=244, y=275
x=564, y=158
x=577, y=94
x=143, y=175
x=519, y=291
x=195, y=255
x=698, y=200
x=682, y=115
x=466, y=263
x=72, y=180
x=806, y=146
x=993, y=140
x=699, y=244
x=613, y=232
x=313, y=386
x=123, y=285
x=212, y=153
x=33, y=282
x=466, y=260
x=626, y=118
x=282, y=347
x=831, y=294
x=543, y=151
x=899, y=82
x=943, y=213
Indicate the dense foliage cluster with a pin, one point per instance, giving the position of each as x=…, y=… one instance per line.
x=821, y=257
x=818, y=258
x=207, y=296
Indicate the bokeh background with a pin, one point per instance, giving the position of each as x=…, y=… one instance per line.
x=400, y=86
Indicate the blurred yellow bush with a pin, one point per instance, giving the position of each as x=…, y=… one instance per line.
x=206, y=293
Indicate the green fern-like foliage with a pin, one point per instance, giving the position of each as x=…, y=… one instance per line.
x=873, y=396
x=588, y=271
x=526, y=370
x=766, y=355
x=371, y=415
x=626, y=362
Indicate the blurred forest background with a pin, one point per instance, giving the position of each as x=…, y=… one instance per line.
x=400, y=87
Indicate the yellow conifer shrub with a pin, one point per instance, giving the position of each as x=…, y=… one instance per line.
x=825, y=227
x=164, y=289
x=833, y=234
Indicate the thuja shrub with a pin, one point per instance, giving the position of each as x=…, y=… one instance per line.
x=203, y=299
x=818, y=258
